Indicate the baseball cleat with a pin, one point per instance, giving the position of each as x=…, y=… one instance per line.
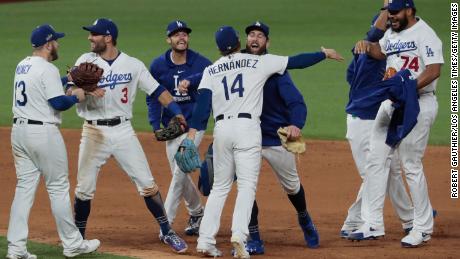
x=26, y=256
x=415, y=239
x=208, y=250
x=255, y=247
x=310, y=235
x=88, y=246
x=365, y=232
x=407, y=230
x=344, y=233
x=239, y=248
x=175, y=242
x=193, y=228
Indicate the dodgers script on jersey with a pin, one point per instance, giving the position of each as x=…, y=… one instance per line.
x=238, y=80
x=36, y=81
x=413, y=49
x=120, y=80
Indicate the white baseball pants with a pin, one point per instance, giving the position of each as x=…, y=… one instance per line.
x=358, y=136
x=182, y=185
x=411, y=151
x=40, y=150
x=237, y=148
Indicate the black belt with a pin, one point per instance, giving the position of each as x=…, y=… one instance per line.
x=30, y=121
x=108, y=122
x=240, y=115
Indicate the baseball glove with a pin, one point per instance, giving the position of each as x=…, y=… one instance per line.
x=175, y=129
x=187, y=157
x=86, y=76
x=389, y=73
x=294, y=146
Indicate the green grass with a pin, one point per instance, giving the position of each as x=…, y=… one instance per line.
x=53, y=252
x=296, y=26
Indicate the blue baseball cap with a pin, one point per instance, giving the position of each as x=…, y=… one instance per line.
x=103, y=26
x=227, y=38
x=258, y=26
x=44, y=33
x=397, y=5
x=175, y=26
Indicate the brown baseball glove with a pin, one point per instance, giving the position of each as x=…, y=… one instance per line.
x=296, y=146
x=175, y=128
x=391, y=71
x=86, y=76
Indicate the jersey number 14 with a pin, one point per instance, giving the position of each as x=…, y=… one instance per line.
x=237, y=86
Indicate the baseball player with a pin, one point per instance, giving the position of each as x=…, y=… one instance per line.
x=107, y=130
x=37, y=102
x=168, y=69
x=366, y=72
x=234, y=85
x=409, y=44
x=283, y=106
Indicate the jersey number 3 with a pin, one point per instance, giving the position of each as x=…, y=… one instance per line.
x=124, y=99
x=20, y=93
x=237, y=86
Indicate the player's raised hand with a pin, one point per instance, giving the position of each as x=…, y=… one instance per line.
x=362, y=47
x=332, y=54
x=183, y=86
x=99, y=92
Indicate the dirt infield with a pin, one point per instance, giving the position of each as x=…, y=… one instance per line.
x=120, y=220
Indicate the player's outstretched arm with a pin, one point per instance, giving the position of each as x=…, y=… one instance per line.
x=332, y=54
x=201, y=111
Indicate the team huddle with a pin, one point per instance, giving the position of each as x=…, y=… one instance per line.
x=253, y=101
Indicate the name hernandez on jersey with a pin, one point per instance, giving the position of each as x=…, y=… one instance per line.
x=35, y=82
x=237, y=80
x=120, y=80
x=414, y=49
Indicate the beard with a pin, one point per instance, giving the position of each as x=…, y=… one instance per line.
x=402, y=24
x=262, y=49
x=54, y=54
x=99, y=47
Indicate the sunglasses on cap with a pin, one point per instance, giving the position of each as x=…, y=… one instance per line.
x=394, y=12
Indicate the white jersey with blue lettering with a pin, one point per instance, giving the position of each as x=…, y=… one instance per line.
x=413, y=48
x=237, y=81
x=35, y=82
x=120, y=80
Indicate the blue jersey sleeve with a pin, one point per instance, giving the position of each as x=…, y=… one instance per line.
x=154, y=112
x=305, y=60
x=293, y=100
x=63, y=102
x=195, y=80
x=201, y=111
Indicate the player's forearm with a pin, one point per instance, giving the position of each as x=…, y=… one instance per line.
x=305, y=60
x=375, y=51
x=63, y=102
x=430, y=74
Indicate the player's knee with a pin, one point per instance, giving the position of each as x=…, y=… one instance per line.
x=150, y=191
x=292, y=188
x=84, y=196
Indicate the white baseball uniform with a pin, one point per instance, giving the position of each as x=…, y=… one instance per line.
x=358, y=136
x=35, y=135
x=107, y=130
x=236, y=82
x=413, y=48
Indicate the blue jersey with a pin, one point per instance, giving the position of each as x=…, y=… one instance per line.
x=283, y=106
x=364, y=72
x=168, y=75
